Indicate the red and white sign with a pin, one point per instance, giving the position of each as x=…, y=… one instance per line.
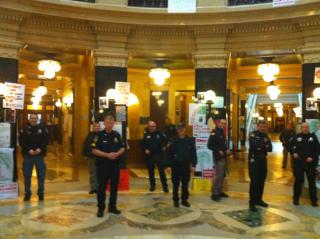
x=14, y=98
x=8, y=190
x=208, y=173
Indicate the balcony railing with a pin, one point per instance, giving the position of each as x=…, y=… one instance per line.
x=246, y=2
x=148, y=3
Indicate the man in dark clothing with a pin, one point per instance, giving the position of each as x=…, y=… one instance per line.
x=305, y=150
x=218, y=144
x=181, y=155
x=170, y=130
x=154, y=145
x=87, y=152
x=107, y=148
x=285, y=137
x=33, y=140
x=259, y=146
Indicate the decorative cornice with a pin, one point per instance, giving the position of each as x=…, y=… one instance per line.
x=211, y=60
x=310, y=54
x=107, y=58
x=9, y=49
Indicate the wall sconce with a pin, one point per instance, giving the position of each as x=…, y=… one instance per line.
x=68, y=101
x=58, y=103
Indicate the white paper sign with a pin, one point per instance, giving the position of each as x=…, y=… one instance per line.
x=6, y=165
x=205, y=160
x=14, y=98
x=8, y=190
x=182, y=6
x=123, y=89
x=201, y=131
x=197, y=114
x=5, y=135
x=280, y=3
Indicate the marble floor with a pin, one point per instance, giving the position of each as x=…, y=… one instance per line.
x=70, y=212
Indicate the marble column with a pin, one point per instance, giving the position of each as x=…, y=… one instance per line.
x=211, y=74
x=9, y=70
x=109, y=68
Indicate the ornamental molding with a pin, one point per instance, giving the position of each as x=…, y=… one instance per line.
x=211, y=60
x=9, y=49
x=107, y=58
x=310, y=54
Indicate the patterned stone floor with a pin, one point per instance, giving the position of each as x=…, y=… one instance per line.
x=69, y=211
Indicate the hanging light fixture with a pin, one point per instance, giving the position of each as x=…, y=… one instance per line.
x=268, y=70
x=133, y=100
x=316, y=93
x=273, y=91
x=159, y=75
x=49, y=68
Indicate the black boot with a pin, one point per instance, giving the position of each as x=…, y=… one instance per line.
x=176, y=204
x=26, y=198
x=114, y=210
x=100, y=213
x=185, y=203
x=253, y=208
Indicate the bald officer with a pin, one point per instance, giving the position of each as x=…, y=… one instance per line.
x=107, y=148
x=305, y=150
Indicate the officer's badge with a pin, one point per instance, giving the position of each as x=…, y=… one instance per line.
x=310, y=139
x=158, y=136
x=39, y=131
x=148, y=137
x=299, y=139
x=252, y=160
x=95, y=139
x=116, y=140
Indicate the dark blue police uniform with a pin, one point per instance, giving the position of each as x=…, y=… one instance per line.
x=107, y=170
x=306, y=146
x=259, y=146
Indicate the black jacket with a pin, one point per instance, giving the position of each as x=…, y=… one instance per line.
x=170, y=131
x=217, y=142
x=285, y=137
x=259, y=144
x=305, y=145
x=181, y=152
x=154, y=142
x=33, y=137
x=87, y=145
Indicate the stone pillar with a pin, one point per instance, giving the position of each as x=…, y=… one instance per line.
x=9, y=71
x=311, y=60
x=109, y=68
x=211, y=74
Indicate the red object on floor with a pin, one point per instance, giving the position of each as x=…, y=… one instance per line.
x=124, y=184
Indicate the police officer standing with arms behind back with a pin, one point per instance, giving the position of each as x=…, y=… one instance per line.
x=108, y=147
x=181, y=155
x=154, y=145
x=305, y=149
x=285, y=137
x=259, y=146
x=33, y=140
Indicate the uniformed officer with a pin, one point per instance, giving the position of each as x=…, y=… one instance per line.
x=170, y=129
x=259, y=146
x=33, y=140
x=305, y=150
x=154, y=145
x=218, y=144
x=87, y=152
x=285, y=137
x=181, y=156
x=107, y=148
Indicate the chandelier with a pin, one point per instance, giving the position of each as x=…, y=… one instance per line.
x=268, y=71
x=273, y=91
x=159, y=75
x=49, y=68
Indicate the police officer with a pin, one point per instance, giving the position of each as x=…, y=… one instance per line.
x=154, y=145
x=181, y=156
x=218, y=144
x=87, y=152
x=259, y=146
x=170, y=129
x=107, y=148
x=33, y=140
x=285, y=137
x=305, y=149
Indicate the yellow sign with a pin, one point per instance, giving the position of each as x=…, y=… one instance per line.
x=202, y=185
